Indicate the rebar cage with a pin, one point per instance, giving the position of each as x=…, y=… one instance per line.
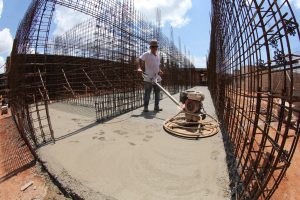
x=92, y=64
x=254, y=79
x=252, y=71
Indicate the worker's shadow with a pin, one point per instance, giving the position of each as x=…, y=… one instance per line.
x=146, y=115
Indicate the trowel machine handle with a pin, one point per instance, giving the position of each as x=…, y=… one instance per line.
x=155, y=81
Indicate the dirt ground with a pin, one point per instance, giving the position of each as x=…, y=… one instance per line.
x=289, y=187
x=18, y=168
x=42, y=187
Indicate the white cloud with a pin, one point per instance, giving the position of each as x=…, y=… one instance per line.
x=296, y=3
x=172, y=11
x=200, y=61
x=6, y=41
x=1, y=7
x=2, y=62
x=66, y=18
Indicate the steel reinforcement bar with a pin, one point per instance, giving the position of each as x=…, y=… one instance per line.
x=92, y=64
x=253, y=73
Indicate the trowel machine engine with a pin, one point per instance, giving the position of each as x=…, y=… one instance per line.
x=193, y=105
x=192, y=121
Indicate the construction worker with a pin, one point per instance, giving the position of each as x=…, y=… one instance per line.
x=152, y=73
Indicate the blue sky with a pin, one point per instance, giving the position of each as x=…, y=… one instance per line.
x=190, y=19
x=194, y=34
x=12, y=12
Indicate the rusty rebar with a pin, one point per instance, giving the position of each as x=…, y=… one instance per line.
x=254, y=80
x=93, y=64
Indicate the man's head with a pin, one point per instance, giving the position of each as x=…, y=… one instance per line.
x=154, y=46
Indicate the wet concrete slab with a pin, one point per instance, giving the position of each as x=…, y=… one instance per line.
x=131, y=157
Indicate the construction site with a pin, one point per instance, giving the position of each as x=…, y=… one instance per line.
x=72, y=124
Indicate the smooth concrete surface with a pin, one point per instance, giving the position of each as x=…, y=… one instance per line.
x=131, y=157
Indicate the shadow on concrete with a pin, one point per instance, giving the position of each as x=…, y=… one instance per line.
x=72, y=133
x=77, y=131
x=146, y=115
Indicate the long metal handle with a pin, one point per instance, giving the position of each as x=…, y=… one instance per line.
x=168, y=94
x=165, y=91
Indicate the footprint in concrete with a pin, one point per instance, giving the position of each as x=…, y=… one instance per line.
x=150, y=126
x=101, y=138
x=207, y=192
x=149, y=136
x=74, y=141
x=101, y=133
x=145, y=140
x=214, y=155
x=123, y=133
x=95, y=137
x=117, y=131
x=132, y=144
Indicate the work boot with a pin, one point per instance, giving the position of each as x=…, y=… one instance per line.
x=157, y=109
x=145, y=110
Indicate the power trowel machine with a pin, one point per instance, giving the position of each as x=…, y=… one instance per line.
x=192, y=121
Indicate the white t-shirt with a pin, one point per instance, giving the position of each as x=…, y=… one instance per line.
x=152, y=66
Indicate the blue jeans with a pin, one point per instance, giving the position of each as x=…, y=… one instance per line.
x=148, y=89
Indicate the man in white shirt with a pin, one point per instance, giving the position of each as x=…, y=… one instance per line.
x=152, y=73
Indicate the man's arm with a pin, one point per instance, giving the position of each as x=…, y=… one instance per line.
x=140, y=65
x=161, y=69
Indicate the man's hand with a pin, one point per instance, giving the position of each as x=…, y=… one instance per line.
x=161, y=73
x=139, y=70
x=139, y=63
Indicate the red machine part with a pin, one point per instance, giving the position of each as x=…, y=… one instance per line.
x=192, y=106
